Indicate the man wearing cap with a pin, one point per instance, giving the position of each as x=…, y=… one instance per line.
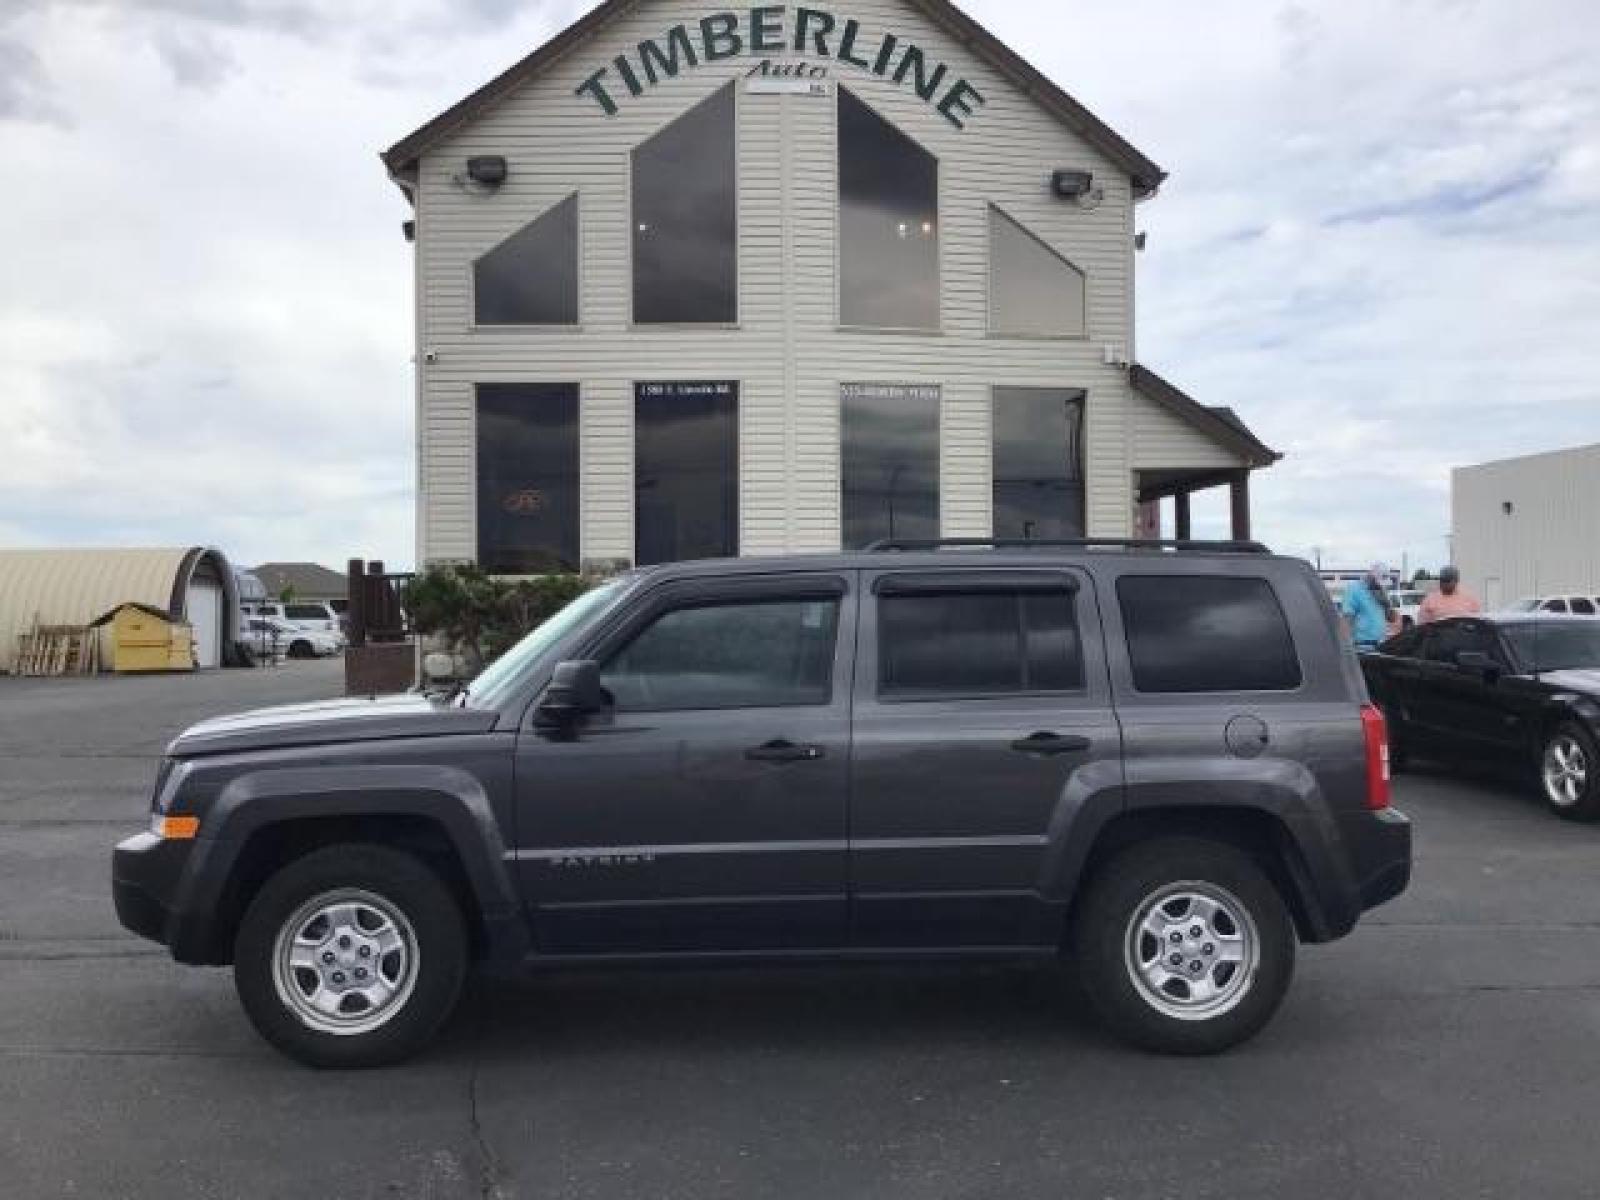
x=1451, y=600
x=1367, y=609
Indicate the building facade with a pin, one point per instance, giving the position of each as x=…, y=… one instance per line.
x=1528, y=526
x=697, y=281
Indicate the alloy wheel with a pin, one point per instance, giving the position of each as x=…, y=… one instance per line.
x=345, y=962
x=1191, y=950
x=1565, y=770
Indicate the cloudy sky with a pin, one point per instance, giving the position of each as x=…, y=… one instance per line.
x=1380, y=244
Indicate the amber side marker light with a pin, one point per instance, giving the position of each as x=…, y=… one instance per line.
x=178, y=829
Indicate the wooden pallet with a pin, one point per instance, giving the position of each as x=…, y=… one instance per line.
x=57, y=650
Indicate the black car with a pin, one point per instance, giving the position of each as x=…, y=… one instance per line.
x=1522, y=688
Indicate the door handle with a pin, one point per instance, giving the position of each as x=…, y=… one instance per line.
x=1047, y=743
x=782, y=750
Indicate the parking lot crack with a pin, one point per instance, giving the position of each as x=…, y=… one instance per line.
x=489, y=1186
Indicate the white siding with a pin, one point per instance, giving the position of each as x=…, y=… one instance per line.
x=1548, y=542
x=1162, y=440
x=787, y=353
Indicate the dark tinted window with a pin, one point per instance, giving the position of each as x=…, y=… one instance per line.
x=1555, y=646
x=1450, y=638
x=305, y=612
x=531, y=278
x=977, y=643
x=1557, y=605
x=686, y=459
x=888, y=223
x=890, y=457
x=734, y=655
x=1582, y=606
x=685, y=222
x=1196, y=633
x=527, y=477
x=1038, y=463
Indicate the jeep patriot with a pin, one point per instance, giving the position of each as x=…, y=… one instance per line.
x=1154, y=762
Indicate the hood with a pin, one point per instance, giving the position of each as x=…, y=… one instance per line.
x=326, y=722
x=1574, y=679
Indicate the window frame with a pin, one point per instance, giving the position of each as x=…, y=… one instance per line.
x=937, y=329
x=738, y=222
x=938, y=447
x=471, y=268
x=1128, y=671
x=1083, y=438
x=582, y=488
x=988, y=277
x=926, y=582
x=738, y=460
x=690, y=593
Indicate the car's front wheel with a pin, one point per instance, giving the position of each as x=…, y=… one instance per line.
x=352, y=956
x=1183, y=945
x=1569, y=772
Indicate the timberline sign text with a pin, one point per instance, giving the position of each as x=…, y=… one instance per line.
x=813, y=32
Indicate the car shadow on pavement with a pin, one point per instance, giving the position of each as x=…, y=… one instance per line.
x=581, y=1013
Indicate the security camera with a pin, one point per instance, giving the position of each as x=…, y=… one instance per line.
x=430, y=356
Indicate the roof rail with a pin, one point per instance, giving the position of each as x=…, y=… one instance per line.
x=887, y=545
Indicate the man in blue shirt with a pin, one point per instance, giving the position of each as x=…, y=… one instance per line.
x=1366, y=609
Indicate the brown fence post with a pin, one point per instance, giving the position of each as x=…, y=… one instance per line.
x=355, y=602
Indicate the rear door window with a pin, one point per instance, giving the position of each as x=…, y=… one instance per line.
x=988, y=641
x=1583, y=606
x=1205, y=633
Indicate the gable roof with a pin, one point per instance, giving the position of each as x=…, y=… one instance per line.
x=401, y=158
x=310, y=580
x=1221, y=425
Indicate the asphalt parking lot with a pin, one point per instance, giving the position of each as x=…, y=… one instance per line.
x=1451, y=1047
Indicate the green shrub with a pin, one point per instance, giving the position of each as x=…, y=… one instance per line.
x=481, y=615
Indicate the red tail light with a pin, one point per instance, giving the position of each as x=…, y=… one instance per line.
x=1376, y=732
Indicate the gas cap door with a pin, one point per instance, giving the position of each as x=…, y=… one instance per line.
x=1246, y=736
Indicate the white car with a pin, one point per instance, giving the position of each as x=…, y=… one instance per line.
x=1408, y=604
x=306, y=614
x=271, y=636
x=1573, y=604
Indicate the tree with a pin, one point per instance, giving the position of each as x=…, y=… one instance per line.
x=480, y=615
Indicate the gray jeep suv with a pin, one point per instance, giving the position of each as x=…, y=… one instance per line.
x=1154, y=761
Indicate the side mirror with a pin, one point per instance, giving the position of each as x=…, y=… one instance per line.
x=574, y=692
x=1475, y=662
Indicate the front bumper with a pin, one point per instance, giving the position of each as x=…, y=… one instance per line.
x=145, y=874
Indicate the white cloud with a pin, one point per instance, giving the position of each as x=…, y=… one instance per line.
x=1380, y=244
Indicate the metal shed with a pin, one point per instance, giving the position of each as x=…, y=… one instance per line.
x=75, y=586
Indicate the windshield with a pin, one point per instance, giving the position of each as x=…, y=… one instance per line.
x=501, y=676
x=1526, y=604
x=1556, y=645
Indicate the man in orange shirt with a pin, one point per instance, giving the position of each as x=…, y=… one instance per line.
x=1451, y=600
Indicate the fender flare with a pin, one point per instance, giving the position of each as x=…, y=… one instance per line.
x=1280, y=789
x=448, y=797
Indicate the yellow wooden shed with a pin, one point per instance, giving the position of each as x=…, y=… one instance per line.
x=141, y=637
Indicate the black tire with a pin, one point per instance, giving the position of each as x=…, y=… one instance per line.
x=1115, y=901
x=301, y=649
x=425, y=910
x=1580, y=802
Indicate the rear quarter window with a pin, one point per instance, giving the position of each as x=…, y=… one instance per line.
x=1205, y=633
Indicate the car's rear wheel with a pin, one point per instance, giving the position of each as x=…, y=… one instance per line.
x=1569, y=772
x=1183, y=945
x=301, y=648
x=352, y=956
